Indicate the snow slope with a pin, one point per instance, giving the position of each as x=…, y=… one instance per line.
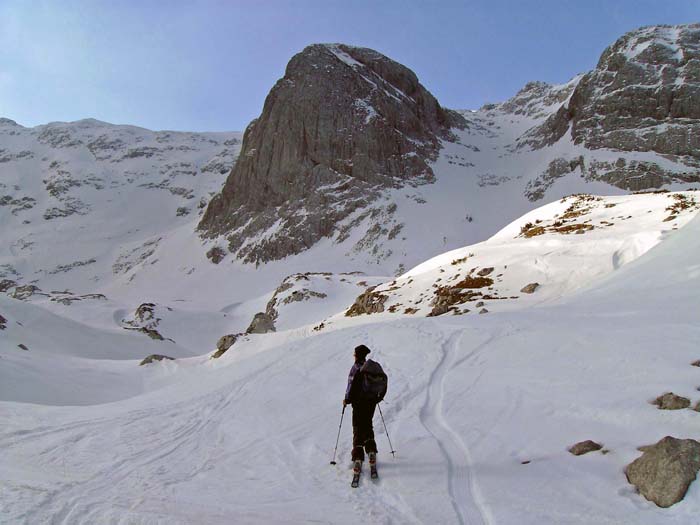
x=481, y=409
x=562, y=247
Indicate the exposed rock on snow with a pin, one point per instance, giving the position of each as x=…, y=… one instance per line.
x=262, y=323
x=695, y=363
x=150, y=332
x=155, y=357
x=665, y=471
x=530, y=288
x=224, y=343
x=24, y=292
x=670, y=401
x=145, y=313
x=67, y=298
x=6, y=284
x=369, y=302
x=584, y=447
x=22, y=346
x=216, y=254
x=306, y=165
x=146, y=319
x=3, y=323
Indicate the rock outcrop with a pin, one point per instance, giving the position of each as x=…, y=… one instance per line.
x=341, y=125
x=368, y=302
x=224, y=343
x=262, y=323
x=665, y=471
x=644, y=95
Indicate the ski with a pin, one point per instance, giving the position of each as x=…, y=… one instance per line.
x=373, y=466
x=356, y=471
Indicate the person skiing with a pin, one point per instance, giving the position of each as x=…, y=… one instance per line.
x=367, y=385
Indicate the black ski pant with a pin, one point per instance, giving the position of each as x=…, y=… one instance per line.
x=362, y=431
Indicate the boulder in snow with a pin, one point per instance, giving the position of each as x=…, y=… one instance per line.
x=216, y=255
x=22, y=346
x=223, y=344
x=665, y=471
x=696, y=363
x=3, y=322
x=155, y=357
x=670, y=401
x=530, y=288
x=484, y=272
x=261, y=324
x=584, y=447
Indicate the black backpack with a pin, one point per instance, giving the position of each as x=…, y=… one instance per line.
x=373, y=382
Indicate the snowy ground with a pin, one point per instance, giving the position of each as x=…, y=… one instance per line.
x=481, y=408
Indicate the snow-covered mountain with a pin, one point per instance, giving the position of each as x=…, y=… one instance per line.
x=118, y=242
x=84, y=203
x=96, y=208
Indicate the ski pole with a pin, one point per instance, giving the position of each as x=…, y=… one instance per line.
x=387, y=432
x=338, y=438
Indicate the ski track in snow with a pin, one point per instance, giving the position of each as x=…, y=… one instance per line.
x=463, y=491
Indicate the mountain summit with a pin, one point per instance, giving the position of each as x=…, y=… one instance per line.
x=643, y=96
x=343, y=123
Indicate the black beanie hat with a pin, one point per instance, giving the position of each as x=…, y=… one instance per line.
x=361, y=351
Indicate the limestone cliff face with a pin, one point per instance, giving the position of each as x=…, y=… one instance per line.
x=341, y=125
x=643, y=96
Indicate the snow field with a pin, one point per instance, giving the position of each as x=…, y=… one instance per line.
x=247, y=438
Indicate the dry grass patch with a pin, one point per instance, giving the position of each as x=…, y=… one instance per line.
x=474, y=282
x=681, y=204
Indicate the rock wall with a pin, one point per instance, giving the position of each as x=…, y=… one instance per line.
x=341, y=125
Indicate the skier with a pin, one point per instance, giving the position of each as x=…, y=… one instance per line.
x=367, y=385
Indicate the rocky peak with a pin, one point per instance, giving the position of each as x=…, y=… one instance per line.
x=537, y=98
x=644, y=95
x=8, y=122
x=341, y=125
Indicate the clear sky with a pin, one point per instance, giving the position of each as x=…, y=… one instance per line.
x=208, y=65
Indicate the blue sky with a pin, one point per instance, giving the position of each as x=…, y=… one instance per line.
x=208, y=65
